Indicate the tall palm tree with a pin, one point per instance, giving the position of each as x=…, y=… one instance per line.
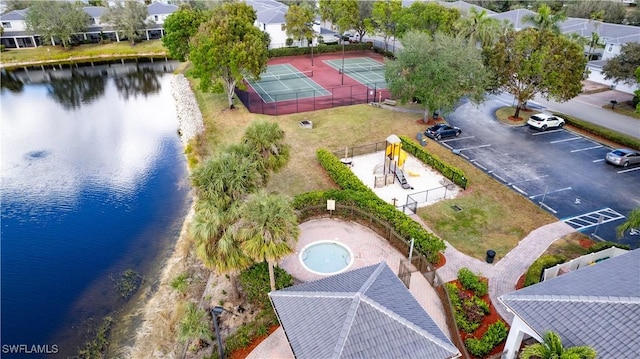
x=544, y=19
x=214, y=231
x=552, y=348
x=266, y=141
x=269, y=229
x=478, y=26
x=632, y=222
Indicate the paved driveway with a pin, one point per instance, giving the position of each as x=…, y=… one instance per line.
x=559, y=170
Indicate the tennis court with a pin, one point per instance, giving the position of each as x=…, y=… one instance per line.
x=284, y=82
x=362, y=69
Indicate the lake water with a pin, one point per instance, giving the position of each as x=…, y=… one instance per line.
x=94, y=183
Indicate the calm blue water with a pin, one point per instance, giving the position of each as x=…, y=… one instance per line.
x=93, y=183
x=326, y=257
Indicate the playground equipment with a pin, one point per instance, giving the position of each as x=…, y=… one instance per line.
x=394, y=161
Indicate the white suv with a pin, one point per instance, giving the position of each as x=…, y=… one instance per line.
x=542, y=121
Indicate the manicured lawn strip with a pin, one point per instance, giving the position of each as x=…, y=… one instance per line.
x=113, y=50
x=608, y=134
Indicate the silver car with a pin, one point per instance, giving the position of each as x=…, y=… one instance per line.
x=623, y=157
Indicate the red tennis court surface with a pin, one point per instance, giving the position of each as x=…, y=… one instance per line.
x=344, y=90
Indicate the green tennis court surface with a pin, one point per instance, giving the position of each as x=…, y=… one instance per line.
x=362, y=69
x=285, y=82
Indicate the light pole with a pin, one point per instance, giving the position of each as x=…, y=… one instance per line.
x=342, y=79
x=216, y=311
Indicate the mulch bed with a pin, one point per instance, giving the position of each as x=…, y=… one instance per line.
x=488, y=319
x=586, y=242
x=520, y=283
x=441, y=261
x=244, y=352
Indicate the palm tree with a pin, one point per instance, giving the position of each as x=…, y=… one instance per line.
x=544, y=19
x=552, y=348
x=632, y=222
x=269, y=229
x=266, y=141
x=194, y=325
x=478, y=26
x=216, y=241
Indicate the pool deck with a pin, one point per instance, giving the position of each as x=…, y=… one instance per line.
x=368, y=248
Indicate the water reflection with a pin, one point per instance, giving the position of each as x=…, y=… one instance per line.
x=10, y=82
x=79, y=88
x=143, y=81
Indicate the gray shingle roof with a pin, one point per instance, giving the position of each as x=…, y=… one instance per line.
x=364, y=313
x=465, y=7
x=94, y=11
x=14, y=15
x=598, y=306
x=158, y=8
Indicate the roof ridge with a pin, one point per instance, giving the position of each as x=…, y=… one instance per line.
x=576, y=298
x=315, y=294
x=347, y=325
x=409, y=324
x=372, y=277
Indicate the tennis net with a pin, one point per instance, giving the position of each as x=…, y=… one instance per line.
x=348, y=70
x=280, y=77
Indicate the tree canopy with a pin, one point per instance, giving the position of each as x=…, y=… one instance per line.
x=552, y=348
x=429, y=17
x=56, y=19
x=437, y=71
x=529, y=62
x=545, y=19
x=348, y=14
x=179, y=27
x=128, y=17
x=623, y=66
x=633, y=219
x=228, y=47
x=477, y=26
x=299, y=22
x=385, y=15
x=613, y=12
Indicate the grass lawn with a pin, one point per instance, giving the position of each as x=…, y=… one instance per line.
x=493, y=216
x=625, y=108
x=114, y=49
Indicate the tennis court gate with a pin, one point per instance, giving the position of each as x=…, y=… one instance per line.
x=311, y=100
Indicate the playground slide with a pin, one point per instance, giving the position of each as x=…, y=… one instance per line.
x=403, y=180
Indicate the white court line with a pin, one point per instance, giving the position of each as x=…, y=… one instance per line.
x=519, y=190
x=474, y=147
x=629, y=170
x=547, y=207
x=600, y=160
x=586, y=148
x=544, y=132
x=566, y=140
x=458, y=138
x=264, y=91
x=556, y=191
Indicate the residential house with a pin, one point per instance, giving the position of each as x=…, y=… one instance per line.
x=363, y=313
x=597, y=306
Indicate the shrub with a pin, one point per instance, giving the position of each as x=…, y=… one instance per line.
x=495, y=334
x=534, y=273
x=2, y=48
x=615, y=136
x=468, y=310
x=255, y=282
x=289, y=41
x=455, y=175
x=471, y=281
x=180, y=283
x=327, y=47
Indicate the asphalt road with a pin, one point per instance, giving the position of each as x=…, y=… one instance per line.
x=561, y=171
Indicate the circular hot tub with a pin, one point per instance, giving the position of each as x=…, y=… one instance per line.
x=326, y=257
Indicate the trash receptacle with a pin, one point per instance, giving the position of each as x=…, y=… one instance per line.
x=491, y=254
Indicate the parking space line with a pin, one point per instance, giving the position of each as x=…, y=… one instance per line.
x=556, y=191
x=586, y=148
x=447, y=146
x=500, y=178
x=519, y=190
x=474, y=147
x=528, y=180
x=458, y=138
x=629, y=170
x=464, y=156
x=547, y=207
x=545, y=132
x=600, y=160
x=566, y=140
x=479, y=165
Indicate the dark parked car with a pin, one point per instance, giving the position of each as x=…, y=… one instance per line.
x=442, y=130
x=623, y=157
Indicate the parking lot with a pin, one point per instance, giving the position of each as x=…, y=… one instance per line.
x=559, y=170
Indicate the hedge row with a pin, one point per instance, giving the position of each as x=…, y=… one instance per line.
x=357, y=194
x=320, y=49
x=454, y=174
x=534, y=273
x=604, y=245
x=495, y=334
x=615, y=136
